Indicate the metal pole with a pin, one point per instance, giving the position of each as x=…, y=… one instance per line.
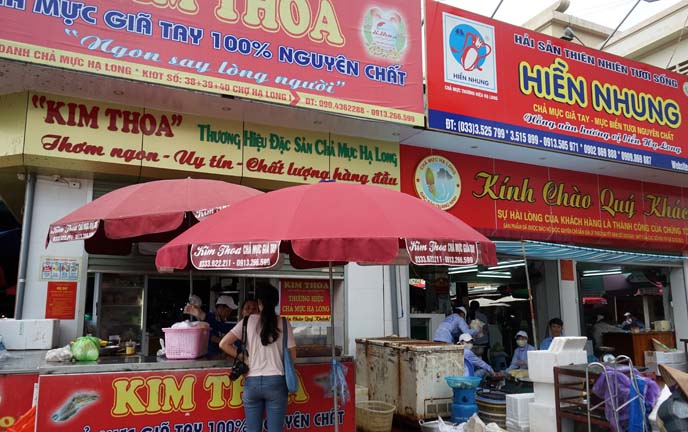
x=24, y=245
x=497, y=8
x=604, y=44
x=530, y=295
x=394, y=299
x=335, y=386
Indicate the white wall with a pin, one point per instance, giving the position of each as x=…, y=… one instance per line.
x=53, y=200
x=570, y=305
x=677, y=281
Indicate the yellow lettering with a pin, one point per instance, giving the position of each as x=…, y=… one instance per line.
x=326, y=26
x=126, y=400
x=295, y=16
x=178, y=398
x=216, y=385
x=252, y=15
x=154, y=384
x=235, y=395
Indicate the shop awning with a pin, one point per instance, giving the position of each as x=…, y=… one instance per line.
x=553, y=251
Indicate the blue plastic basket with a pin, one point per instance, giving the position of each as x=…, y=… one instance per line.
x=463, y=382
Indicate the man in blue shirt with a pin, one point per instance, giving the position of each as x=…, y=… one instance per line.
x=452, y=326
x=520, y=359
x=480, y=368
x=631, y=322
x=556, y=328
x=220, y=322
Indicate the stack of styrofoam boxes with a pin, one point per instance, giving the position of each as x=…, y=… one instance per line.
x=675, y=359
x=517, y=412
x=564, y=351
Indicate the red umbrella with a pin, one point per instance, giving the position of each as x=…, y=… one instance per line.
x=326, y=223
x=151, y=211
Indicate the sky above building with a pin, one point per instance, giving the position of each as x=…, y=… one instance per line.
x=608, y=13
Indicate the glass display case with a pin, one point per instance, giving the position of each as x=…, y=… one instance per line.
x=120, y=306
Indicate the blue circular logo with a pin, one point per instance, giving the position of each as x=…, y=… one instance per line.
x=468, y=47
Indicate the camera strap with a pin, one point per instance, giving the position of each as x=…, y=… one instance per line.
x=244, y=340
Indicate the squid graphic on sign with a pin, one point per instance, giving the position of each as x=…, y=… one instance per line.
x=468, y=47
x=75, y=403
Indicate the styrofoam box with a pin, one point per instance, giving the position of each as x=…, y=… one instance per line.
x=676, y=357
x=543, y=418
x=517, y=427
x=517, y=406
x=541, y=363
x=654, y=367
x=30, y=333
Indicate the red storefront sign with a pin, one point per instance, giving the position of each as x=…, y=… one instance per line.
x=495, y=81
x=356, y=58
x=305, y=300
x=61, y=301
x=16, y=396
x=511, y=200
x=198, y=400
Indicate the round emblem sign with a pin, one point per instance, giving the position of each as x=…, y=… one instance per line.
x=437, y=181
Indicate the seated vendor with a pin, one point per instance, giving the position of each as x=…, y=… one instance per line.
x=520, y=358
x=480, y=368
x=630, y=322
x=220, y=322
x=556, y=329
x=452, y=326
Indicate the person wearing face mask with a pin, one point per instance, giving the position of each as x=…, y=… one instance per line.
x=480, y=368
x=520, y=359
x=453, y=326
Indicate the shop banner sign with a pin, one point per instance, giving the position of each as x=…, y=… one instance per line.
x=16, y=397
x=519, y=201
x=495, y=81
x=60, y=268
x=442, y=252
x=357, y=58
x=235, y=256
x=61, y=300
x=197, y=400
x=105, y=137
x=305, y=300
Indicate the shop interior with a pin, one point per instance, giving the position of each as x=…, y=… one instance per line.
x=606, y=292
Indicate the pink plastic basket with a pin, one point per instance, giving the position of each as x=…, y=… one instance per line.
x=185, y=343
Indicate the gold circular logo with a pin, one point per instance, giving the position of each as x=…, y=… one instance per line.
x=438, y=181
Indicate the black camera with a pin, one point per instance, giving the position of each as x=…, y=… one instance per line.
x=240, y=368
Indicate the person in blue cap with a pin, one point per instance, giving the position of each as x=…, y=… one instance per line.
x=452, y=327
x=520, y=358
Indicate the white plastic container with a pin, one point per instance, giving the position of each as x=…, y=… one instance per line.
x=564, y=351
x=30, y=334
x=363, y=361
x=654, y=367
x=668, y=358
x=543, y=418
x=517, y=407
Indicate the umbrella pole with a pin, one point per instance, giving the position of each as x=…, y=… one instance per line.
x=530, y=296
x=335, y=385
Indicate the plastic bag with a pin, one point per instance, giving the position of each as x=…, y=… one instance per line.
x=337, y=380
x=25, y=423
x=59, y=354
x=85, y=349
x=445, y=427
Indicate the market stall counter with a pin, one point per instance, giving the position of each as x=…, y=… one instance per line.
x=18, y=375
x=152, y=394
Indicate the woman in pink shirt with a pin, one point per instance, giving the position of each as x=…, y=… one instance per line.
x=265, y=388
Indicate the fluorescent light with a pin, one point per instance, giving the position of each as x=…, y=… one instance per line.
x=495, y=274
x=602, y=273
x=508, y=264
x=451, y=269
x=463, y=271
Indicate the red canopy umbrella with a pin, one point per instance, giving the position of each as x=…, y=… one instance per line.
x=326, y=223
x=151, y=211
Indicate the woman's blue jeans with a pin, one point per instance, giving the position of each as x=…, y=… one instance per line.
x=265, y=393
